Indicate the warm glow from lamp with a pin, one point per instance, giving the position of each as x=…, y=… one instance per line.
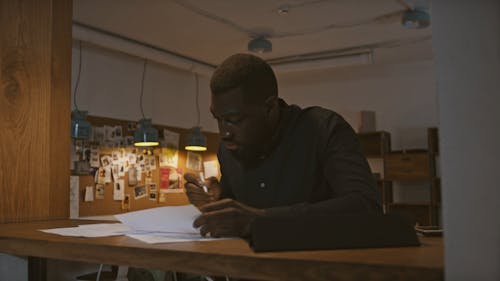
x=196, y=141
x=146, y=135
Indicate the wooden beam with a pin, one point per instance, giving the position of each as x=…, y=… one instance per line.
x=35, y=77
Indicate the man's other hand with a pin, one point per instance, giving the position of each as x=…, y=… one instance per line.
x=226, y=218
x=195, y=192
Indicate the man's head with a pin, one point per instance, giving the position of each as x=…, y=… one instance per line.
x=245, y=104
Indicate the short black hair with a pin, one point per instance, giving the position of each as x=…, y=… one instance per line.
x=252, y=74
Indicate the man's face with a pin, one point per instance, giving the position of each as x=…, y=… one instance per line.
x=244, y=128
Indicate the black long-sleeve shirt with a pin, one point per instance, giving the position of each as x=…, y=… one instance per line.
x=317, y=168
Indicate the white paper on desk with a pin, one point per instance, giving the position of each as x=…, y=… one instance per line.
x=153, y=239
x=176, y=219
x=91, y=230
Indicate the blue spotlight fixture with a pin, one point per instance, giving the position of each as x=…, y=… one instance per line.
x=260, y=45
x=416, y=19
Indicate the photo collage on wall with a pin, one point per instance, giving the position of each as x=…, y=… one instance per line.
x=129, y=173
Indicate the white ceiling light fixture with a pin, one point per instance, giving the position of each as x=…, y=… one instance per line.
x=260, y=45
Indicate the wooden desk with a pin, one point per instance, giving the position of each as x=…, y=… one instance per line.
x=231, y=257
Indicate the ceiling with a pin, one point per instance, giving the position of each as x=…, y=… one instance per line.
x=209, y=31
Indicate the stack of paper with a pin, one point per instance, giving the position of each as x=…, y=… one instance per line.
x=157, y=225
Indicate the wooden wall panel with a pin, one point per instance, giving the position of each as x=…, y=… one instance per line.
x=35, y=67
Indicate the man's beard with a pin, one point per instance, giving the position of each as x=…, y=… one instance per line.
x=249, y=156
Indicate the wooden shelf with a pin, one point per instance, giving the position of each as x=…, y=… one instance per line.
x=408, y=166
x=376, y=144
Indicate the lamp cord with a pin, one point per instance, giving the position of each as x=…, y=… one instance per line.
x=197, y=100
x=142, y=87
x=78, y=75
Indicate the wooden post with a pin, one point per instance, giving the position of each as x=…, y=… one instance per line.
x=35, y=78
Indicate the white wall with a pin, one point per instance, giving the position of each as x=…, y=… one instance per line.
x=467, y=46
x=110, y=86
x=403, y=97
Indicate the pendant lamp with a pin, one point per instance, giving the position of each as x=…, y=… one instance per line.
x=145, y=135
x=80, y=127
x=416, y=19
x=196, y=140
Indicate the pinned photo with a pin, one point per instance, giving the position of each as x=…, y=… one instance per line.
x=100, y=176
x=140, y=192
x=94, y=156
x=152, y=196
x=162, y=198
x=89, y=194
x=99, y=134
x=107, y=174
x=106, y=160
x=119, y=190
x=126, y=202
x=99, y=191
x=171, y=180
x=193, y=161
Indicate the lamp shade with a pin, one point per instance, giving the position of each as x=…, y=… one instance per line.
x=146, y=135
x=416, y=19
x=80, y=127
x=195, y=140
x=260, y=45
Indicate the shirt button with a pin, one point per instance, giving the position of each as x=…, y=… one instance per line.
x=262, y=185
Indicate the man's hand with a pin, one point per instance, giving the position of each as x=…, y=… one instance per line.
x=226, y=218
x=195, y=193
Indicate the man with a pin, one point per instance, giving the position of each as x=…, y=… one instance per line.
x=277, y=159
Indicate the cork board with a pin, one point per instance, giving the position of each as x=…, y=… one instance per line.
x=108, y=206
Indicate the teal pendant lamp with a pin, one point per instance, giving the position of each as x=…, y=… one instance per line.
x=260, y=45
x=80, y=127
x=145, y=135
x=416, y=19
x=196, y=140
